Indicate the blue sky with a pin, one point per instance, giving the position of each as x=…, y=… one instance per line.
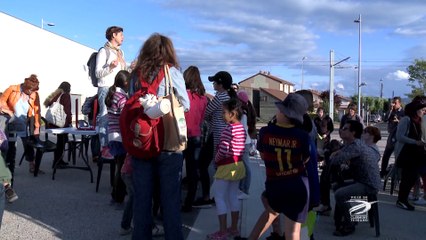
x=245, y=37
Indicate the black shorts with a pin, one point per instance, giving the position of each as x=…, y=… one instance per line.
x=289, y=197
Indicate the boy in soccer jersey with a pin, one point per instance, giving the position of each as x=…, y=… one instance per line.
x=284, y=147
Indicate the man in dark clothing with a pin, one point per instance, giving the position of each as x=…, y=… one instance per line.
x=395, y=114
x=325, y=127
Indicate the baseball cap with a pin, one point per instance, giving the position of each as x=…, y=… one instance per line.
x=223, y=78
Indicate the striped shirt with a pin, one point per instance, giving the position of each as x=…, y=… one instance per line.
x=213, y=115
x=118, y=100
x=231, y=145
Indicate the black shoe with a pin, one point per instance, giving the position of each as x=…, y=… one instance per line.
x=186, y=209
x=344, y=231
x=61, y=164
x=275, y=236
x=201, y=203
x=405, y=205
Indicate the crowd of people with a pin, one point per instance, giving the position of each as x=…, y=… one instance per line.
x=220, y=134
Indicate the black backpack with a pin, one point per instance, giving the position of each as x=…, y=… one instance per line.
x=91, y=64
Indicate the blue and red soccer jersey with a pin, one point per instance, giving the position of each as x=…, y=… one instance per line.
x=284, y=150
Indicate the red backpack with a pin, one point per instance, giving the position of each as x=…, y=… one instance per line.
x=142, y=136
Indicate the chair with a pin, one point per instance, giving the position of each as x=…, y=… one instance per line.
x=394, y=176
x=40, y=146
x=373, y=214
x=101, y=162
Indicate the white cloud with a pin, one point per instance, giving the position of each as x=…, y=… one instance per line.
x=340, y=86
x=398, y=75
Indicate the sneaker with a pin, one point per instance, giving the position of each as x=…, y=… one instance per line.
x=323, y=210
x=105, y=154
x=218, y=235
x=157, y=230
x=201, y=203
x=243, y=196
x=124, y=231
x=405, y=205
x=10, y=194
x=421, y=201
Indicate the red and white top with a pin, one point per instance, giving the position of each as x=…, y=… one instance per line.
x=230, y=151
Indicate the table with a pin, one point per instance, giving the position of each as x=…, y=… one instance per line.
x=75, y=131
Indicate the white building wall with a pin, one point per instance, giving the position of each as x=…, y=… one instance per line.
x=28, y=49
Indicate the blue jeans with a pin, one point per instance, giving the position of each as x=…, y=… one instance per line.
x=126, y=220
x=168, y=166
x=245, y=182
x=102, y=118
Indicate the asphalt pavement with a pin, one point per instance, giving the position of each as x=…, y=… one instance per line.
x=69, y=208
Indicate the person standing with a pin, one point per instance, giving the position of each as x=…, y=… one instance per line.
x=395, y=115
x=230, y=170
x=63, y=95
x=194, y=121
x=409, y=150
x=249, y=122
x=222, y=82
x=109, y=61
x=115, y=101
x=156, y=52
x=285, y=148
x=20, y=104
x=324, y=126
x=351, y=115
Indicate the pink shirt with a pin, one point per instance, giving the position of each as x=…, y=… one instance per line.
x=194, y=117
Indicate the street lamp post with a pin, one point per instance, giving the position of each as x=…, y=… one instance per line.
x=303, y=61
x=381, y=88
x=50, y=24
x=359, y=62
x=331, y=87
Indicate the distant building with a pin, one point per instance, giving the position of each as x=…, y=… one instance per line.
x=264, y=90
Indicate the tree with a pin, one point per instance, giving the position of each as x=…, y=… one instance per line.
x=325, y=96
x=417, y=80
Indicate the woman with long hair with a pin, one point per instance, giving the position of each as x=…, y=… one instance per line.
x=409, y=150
x=156, y=52
x=63, y=94
x=222, y=82
x=194, y=120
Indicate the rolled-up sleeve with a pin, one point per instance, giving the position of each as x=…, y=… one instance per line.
x=178, y=85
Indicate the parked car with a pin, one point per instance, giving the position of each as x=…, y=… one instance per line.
x=375, y=118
